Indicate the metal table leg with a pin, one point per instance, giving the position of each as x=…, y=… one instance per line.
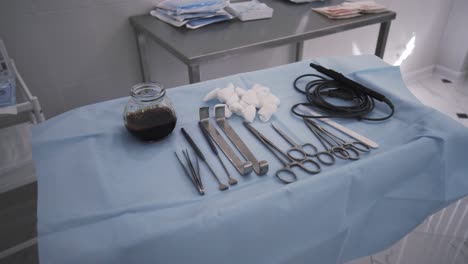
x=194, y=73
x=382, y=39
x=299, y=50
x=143, y=54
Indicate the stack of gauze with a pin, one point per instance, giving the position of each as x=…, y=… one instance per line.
x=246, y=102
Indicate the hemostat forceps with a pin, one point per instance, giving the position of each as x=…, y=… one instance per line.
x=289, y=163
x=330, y=143
x=300, y=152
x=356, y=145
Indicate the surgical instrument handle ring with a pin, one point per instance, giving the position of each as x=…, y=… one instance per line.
x=302, y=149
x=286, y=171
x=287, y=165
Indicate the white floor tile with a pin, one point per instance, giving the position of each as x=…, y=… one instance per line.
x=448, y=98
x=364, y=260
x=425, y=248
x=442, y=237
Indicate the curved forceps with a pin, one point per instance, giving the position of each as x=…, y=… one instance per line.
x=356, y=145
x=300, y=152
x=288, y=163
x=336, y=149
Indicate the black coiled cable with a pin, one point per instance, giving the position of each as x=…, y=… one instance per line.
x=360, y=101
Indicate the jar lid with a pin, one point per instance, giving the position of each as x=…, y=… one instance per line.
x=148, y=91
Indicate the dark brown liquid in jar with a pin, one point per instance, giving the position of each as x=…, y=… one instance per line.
x=151, y=124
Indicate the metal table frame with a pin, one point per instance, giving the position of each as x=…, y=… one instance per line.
x=144, y=34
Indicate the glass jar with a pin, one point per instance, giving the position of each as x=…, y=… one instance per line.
x=149, y=114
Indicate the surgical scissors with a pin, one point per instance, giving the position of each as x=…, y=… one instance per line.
x=289, y=163
x=300, y=152
x=336, y=148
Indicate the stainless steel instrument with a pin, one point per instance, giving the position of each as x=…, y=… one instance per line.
x=261, y=167
x=243, y=167
x=339, y=147
x=232, y=181
x=221, y=186
x=192, y=173
x=341, y=128
x=286, y=174
x=303, y=151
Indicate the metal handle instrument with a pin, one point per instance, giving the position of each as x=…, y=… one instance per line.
x=302, y=151
x=341, y=128
x=286, y=174
x=221, y=186
x=243, y=167
x=330, y=144
x=261, y=167
x=232, y=181
x=356, y=145
x=192, y=174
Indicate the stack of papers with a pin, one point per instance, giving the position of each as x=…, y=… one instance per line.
x=191, y=13
x=350, y=9
x=251, y=10
x=305, y=1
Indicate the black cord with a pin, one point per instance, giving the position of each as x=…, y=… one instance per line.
x=360, y=101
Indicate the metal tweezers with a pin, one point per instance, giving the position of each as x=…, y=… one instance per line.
x=192, y=173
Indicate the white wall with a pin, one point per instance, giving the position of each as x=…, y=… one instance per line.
x=425, y=19
x=76, y=52
x=453, y=52
x=73, y=52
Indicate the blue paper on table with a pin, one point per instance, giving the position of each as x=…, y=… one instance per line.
x=191, y=6
x=192, y=21
x=198, y=23
x=187, y=16
x=105, y=197
x=7, y=91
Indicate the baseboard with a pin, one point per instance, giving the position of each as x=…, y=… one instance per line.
x=18, y=248
x=418, y=74
x=454, y=76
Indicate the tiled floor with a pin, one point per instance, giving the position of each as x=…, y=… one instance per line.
x=28, y=255
x=449, y=98
x=18, y=216
x=441, y=238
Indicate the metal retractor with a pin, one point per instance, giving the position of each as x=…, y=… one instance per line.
x=261, y=167
x=243, y=167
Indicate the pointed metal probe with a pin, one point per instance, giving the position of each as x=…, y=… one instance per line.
x=221, y=186
x=232, y=181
